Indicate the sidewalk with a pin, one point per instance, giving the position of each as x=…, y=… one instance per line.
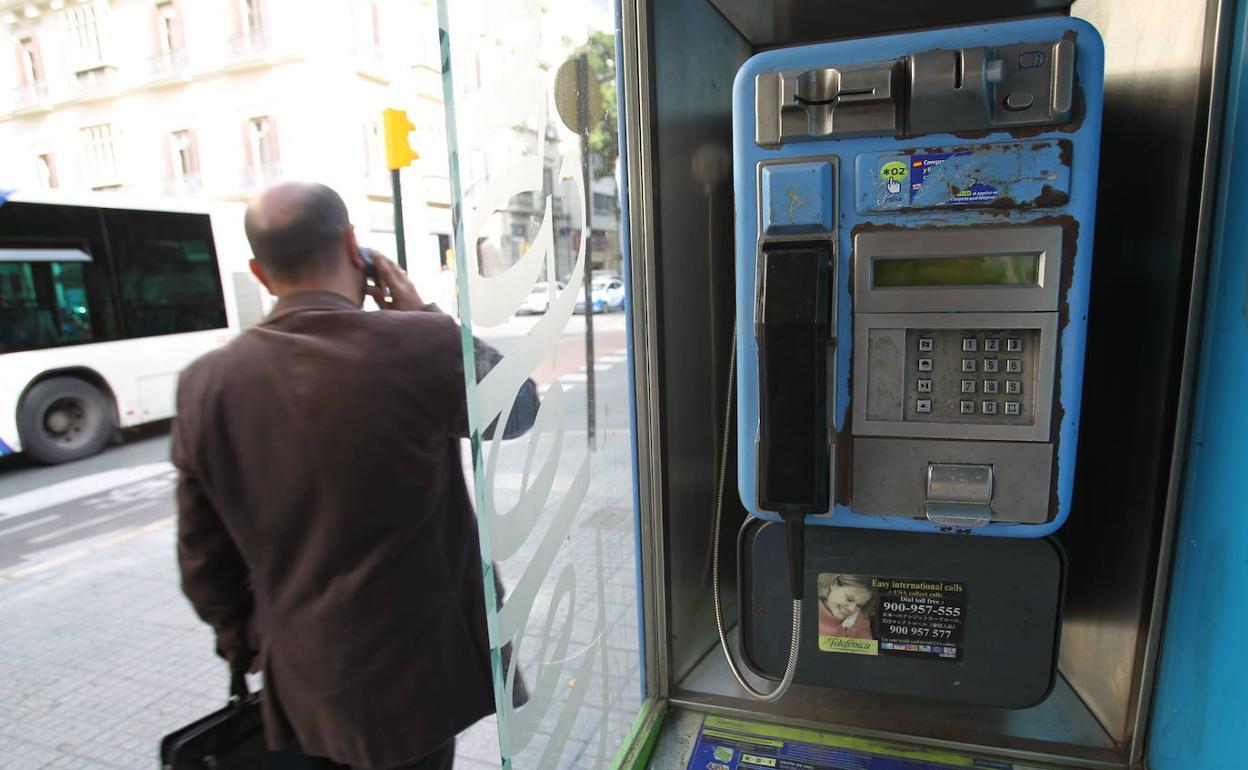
x=103, y=655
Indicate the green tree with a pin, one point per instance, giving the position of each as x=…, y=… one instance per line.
x=604, y=139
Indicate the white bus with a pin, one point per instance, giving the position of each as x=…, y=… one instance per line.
x=103, y=301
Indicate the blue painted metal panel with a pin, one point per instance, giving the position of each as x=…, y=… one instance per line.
x=797, y=198
x=626, y=248
x=1200, y=712
x=1028, y=187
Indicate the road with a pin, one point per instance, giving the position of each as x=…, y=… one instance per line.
x=103, y=655
x=49, y=513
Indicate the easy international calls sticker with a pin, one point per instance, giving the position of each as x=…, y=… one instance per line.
x=873, y=615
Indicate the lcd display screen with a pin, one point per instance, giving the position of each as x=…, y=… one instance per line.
x=985, y=270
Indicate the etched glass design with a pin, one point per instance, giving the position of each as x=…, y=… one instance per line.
x=529, y=93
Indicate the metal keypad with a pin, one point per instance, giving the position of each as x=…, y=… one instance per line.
x=957, y=375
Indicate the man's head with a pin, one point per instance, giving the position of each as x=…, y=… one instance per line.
x=302, y=239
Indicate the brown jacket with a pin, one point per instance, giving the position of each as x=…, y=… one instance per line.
x=322, y=511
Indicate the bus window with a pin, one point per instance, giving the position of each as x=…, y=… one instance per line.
x=43, y=305
x=166, y=272
x=48, y=296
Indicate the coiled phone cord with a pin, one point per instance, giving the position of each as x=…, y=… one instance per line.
x=790, y=667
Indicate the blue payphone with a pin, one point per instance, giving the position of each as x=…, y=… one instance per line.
x=913, y=257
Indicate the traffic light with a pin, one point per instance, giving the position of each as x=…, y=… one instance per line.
x=396, y=126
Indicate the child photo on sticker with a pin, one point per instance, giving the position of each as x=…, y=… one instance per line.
x=846, y=606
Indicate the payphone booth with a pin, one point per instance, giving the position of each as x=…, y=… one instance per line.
x=916, y=290
x=913, y=251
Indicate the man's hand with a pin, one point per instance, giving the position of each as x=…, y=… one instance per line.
x=394, y=290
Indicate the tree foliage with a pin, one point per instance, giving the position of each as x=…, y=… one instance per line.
x=604, y=140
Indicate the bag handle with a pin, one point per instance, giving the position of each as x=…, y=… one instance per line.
x=238, y=686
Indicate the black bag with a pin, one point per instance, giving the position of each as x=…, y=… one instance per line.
x=229, y=739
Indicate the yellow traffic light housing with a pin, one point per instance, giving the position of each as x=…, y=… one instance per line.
x=396, y=127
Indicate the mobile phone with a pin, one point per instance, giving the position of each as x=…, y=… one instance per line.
x=370, y=265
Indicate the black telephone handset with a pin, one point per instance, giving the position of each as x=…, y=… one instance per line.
x=370, y=264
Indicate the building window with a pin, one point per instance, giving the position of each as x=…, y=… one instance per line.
x=169, y=44
x=249, y=26
x=251, y=16
x=604, y=204
x=376, y=175
x=183, y=162
x=46, y=168
x=99, y=157
x=31, y=64
x=374, y=151
x=81, y=24
x=366, y=18
x=261, y=151
x=168, y=28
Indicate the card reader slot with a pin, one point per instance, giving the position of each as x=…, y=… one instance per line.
x=792, y=330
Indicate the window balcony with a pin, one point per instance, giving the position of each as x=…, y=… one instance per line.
x=248, y=44
x=30, y=95
x=261, y=174
x=171, y=63
x=187, y=184
x=96, y=81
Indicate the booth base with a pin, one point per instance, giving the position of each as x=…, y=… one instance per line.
x=1059, y=731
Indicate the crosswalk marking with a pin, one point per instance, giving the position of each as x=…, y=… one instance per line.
x=91, y=522
x=29, y=524
x=73, y=489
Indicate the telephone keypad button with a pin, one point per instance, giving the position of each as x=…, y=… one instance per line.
x=968, y=344
x=966, y=407
x=992, y=345
x=991, y=387
x=1014, y=365
x=992, y=365
x=1013, y=408
x=1013, y=387
x=988, y=407
x=925, y=386
x=925, y=364
x=923, y=406
x=1014, y=345
x=968, y=386
x=968, y=364
x=925, y=345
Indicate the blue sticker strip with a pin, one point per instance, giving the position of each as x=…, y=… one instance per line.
x=1014, y=175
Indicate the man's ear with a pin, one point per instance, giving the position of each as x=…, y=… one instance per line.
x=353, y=249
x=260, y=275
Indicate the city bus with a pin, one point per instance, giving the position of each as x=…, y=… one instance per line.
x=103, y=301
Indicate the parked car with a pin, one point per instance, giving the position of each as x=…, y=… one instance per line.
x=607, y=292
x=538, y=301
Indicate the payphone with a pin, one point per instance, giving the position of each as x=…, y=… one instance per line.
x=913, y=256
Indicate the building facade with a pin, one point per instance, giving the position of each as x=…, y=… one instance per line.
x=215, y=98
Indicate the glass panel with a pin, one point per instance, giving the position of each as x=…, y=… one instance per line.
x=167, y=274
x=42, y=305
x=530, y=104
x=60, y=301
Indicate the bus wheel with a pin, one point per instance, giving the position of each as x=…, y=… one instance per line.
x=62, y=419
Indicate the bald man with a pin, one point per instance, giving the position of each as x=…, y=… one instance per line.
x=324, y=527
